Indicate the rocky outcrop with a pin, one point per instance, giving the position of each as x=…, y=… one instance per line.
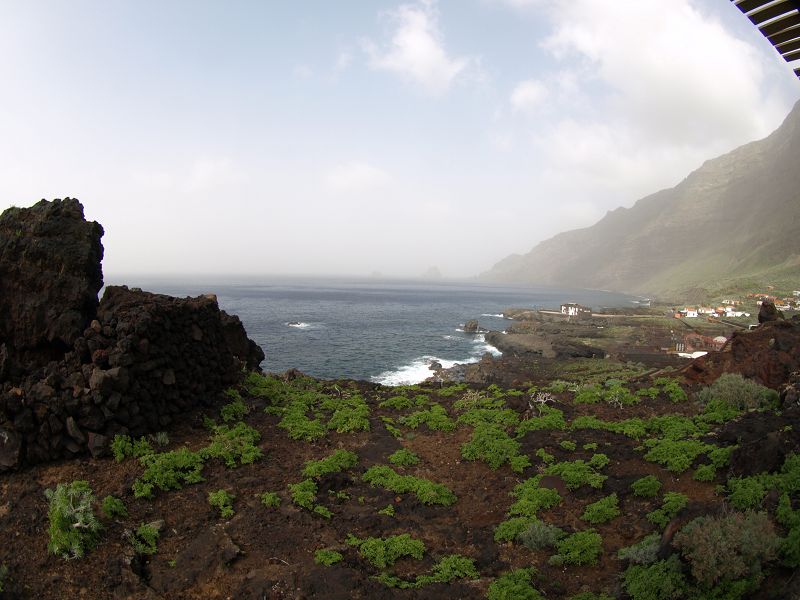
x=768, y=312
x=50, y=275
x=768, y=354
x=129, y=365
x=471, y=326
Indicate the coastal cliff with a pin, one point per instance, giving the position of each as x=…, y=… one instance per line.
x=733, y=219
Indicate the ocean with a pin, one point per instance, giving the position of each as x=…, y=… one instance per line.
x=378, y=330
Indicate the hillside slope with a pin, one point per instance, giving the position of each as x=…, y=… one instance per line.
x=734, y=218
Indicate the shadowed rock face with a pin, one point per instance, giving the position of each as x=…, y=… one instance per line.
x=75, y=373
x=50, y=274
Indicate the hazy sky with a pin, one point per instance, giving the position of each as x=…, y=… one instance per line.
x=356, y=136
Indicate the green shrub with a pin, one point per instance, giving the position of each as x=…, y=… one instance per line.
x=644, y=552
x=396, y=402
x=540, y=535
x=113, y=507
x=223, y=501
x=387, y=511
x=304, y=493
x=672, y=389
x=673, y=503
x=384, y=552
x=234, y=410
x=660, y=581
x=452, y=390
x=705, y=473
x=510, y=529
x=230, y=444
x=549, y=419
x=675, y=455
x=298, y=425
x=349, y=414
x=568, y=445
x=145, y=539
x=739, y=393
x=546, y=457
x=514, y=585
x=728, y=548
x=577, y=473
x=746, y=492
x=327, y=557
x=646, y=487
x=590, y=446
x=340, y=460
x=491, y=444
x=425, y=490
x=588, y=394
x=580, y=548
x=531, y=498
x=502, y=417
x=435, y=418
x=122, y=447
x=448, y=569
x=404, y=458
x=672, y=427
x=602, y=511
x=270, y=499
x=74, y=529
x=168, y=471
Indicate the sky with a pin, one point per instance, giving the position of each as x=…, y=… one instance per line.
x=351, y=138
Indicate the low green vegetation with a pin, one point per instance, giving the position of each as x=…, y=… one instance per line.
x=425, y=490
x=514, y=585
x=531, y=499
x=123, y=446
x=384, y=552
x=602, y=511
x=113, y=507
x=580, y=548
x=348, y=414
x=235, y=445
x=74, y=530
x=434, y=418
x=327, y=557
x=404, y=458
x=672, y=504
x=577, y=473
x=340, y=460
x=646, y=487
x=270, y=499
x=236, y=409
x=168, y=471
x=304, y=495
x=222, y=500
x=491, y=444
x=145, y=539
x=549, y=418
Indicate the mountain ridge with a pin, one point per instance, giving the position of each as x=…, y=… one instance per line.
x=732, y=219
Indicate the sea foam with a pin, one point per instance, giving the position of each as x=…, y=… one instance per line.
x=419, y=369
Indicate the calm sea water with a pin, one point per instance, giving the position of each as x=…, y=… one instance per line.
x=384, y=331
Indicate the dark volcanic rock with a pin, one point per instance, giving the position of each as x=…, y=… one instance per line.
x=74, y=373
x=50, y=275
x=768, y=312
x=768, y=354
x=471, y=326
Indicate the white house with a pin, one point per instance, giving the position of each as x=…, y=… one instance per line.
x=574, y=310
x=690, y=312
x=705, y=310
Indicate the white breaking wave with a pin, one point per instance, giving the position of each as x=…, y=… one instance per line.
x=496, y=315
x=298, y=324
x=419, y=369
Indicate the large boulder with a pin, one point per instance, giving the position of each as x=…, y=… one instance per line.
x=50, y=275
x=769, y=312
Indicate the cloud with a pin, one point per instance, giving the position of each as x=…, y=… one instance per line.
x=416, y=50
x=638, y=96
x=355, y=177
x=528, y=96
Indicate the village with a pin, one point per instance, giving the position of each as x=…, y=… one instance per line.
x=703, y=327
